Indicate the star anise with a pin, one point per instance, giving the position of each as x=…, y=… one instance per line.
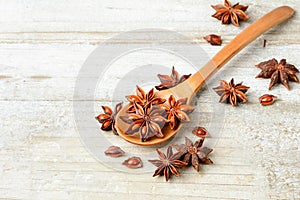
x=232, y=93
x=281, y=72
x=142, y=98
x=108, y=118
x=177, y=111
x=148, y=121
x=230, y=14
x=170, y=81
x=167, y=164
x=194, y=154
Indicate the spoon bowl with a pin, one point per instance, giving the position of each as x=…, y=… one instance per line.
x=188, y=88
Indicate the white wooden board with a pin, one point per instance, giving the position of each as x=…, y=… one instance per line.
x=43, y=47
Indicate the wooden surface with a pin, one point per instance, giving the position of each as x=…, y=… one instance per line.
x=45, y=43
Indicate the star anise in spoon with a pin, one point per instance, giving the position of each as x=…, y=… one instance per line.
x=230, y=14
x=148, y=121
x=281, y=72
x=170, y=81
x=231, y=93
x=167, y=164
x=177, y=111
x=142, y=98
x=107, y=119
x=194, y=154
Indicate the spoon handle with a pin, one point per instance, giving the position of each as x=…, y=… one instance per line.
x=253, y=31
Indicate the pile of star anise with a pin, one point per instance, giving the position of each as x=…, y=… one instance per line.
x=188, y=154
x=279, y=72
x=148, y=114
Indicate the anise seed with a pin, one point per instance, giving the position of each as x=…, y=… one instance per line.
x=114, y=151
x=200, y=132
x=267, y=99
x=213, y=39
x=133, y=163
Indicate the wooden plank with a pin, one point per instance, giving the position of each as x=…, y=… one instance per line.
x=94, y=21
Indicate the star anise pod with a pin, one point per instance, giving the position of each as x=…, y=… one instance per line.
x=281, y=72
x=167, y=164
x=142, y=98
x=177, y=111
x=170, y=81
x=107, y=119
x=148, y=121
x=232, y=93
x=230, y=14
x=194, y=154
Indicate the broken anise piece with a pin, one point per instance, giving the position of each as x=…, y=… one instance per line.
x=231, y=93
x=213, y=39
x=200, y=132
x=267, y=99
x=230, y=14
x=133, y=163
x=108, y=118
x=194, y=154
x=177, y=111
x=170, y=81
x=142, y=98
x=265, y=43
x=167, y=164
x=147, y=121
x=114, y=151
x=281, y=72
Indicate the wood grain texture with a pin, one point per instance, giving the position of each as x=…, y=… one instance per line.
x=45, y=43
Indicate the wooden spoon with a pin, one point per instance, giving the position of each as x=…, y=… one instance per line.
x=189, y=87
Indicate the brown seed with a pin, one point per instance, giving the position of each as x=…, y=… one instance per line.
x=114, y=151
x=133, y=163
x=267, y=99
x=213, y=39
x=200, y=132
